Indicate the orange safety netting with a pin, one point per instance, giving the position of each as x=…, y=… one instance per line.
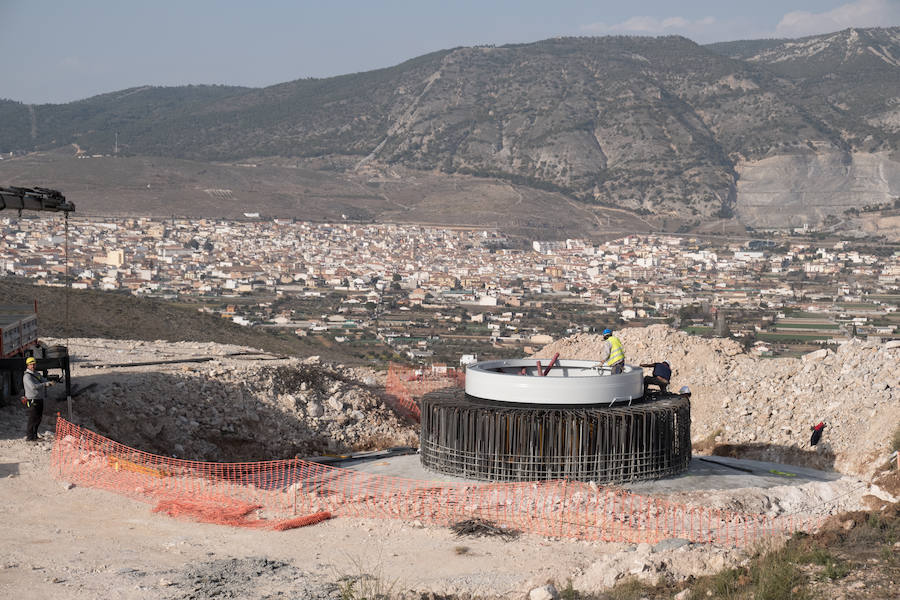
x=405, y=386
x=272, y=494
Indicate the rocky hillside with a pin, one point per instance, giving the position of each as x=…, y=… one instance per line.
x=658, y=125
x=767, y=406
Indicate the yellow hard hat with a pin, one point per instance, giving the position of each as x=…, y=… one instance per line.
x=30, y=361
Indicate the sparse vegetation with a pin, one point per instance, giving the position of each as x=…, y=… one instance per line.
x=366, y=582
x=802, y=568
x=707, y=444
x=116, y=315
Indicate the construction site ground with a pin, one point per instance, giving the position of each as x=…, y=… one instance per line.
x=63, y=541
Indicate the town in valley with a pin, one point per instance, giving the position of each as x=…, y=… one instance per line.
x=428, y=294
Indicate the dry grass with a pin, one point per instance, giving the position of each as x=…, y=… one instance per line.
x=366, y=581
x=851, y=547
x=115, y=315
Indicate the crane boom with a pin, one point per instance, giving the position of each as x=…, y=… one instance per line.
x=18, y=198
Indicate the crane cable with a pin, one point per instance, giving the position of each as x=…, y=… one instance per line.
x=68, y=280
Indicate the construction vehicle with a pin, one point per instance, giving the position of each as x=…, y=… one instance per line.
x=18, y=323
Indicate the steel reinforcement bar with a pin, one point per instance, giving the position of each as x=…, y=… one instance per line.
x=277, y=495
x=499, y=441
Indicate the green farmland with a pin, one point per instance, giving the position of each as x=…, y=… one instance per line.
x=785, y=337
x=824, y=326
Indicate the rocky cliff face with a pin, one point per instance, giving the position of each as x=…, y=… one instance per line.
x=790, y=190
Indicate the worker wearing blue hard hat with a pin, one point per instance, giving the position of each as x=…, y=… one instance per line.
x=612, y=353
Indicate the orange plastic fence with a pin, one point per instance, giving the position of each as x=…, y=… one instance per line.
x=273, y=494
x=405, y=385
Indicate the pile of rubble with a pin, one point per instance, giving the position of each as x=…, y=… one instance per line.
x=771, y=404
x=233, y=406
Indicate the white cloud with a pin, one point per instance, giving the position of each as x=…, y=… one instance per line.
x=702, y=31
x=862, y=13
x=675, y=22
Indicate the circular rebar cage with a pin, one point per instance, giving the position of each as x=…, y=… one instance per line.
x=499, y=441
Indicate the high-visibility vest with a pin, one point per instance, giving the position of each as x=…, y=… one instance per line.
x=616, y=351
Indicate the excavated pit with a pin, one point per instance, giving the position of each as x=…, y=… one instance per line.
x=234, y=407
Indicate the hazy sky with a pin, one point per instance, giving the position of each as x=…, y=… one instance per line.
x=59, y=51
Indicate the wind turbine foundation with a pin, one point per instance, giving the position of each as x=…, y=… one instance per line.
x=516, y=421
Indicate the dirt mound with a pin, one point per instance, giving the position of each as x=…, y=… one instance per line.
x=740, y=399
x=237, y=406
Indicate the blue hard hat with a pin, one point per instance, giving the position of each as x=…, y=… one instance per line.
x=607, y=331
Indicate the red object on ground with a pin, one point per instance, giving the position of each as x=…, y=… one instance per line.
x=816, y=434
x=550, y=366
x=302, y=521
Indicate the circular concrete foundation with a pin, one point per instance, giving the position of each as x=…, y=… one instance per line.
x=622, y=436
x=568, y=382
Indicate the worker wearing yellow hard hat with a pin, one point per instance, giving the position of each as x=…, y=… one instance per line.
x=35, y=386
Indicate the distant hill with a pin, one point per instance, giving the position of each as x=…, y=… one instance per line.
x=112, y=315
x=659, y=126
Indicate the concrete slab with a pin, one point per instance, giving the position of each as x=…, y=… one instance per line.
x=405, y=467
x=704, y=473
x=723, y=473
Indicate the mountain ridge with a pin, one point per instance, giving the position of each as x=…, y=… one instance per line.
x=655, y=125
